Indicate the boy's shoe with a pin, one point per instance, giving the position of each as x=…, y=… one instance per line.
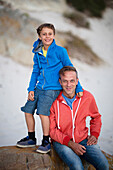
x=26, y=142
x=44, y=148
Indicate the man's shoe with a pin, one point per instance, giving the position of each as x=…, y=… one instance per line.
x=44, y=148
x=26, y=142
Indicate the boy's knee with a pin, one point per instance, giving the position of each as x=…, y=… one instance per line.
x=28, y=114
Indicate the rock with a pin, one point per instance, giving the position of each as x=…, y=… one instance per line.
x=14, y=158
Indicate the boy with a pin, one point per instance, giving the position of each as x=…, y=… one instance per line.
x=44, y=86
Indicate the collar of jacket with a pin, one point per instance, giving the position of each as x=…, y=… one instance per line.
x=37, y=46
x=60, y=97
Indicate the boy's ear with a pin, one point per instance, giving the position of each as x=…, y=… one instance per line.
x=60, y=80
x=40, y=38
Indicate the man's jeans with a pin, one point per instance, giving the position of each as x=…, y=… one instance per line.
x=93, y=155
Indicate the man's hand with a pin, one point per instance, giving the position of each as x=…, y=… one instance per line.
x=92, y=140
x=31, y=95
x=80, y=94
x=77, y=148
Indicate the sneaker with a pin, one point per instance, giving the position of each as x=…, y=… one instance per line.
x=44, y=148
x=26, y=142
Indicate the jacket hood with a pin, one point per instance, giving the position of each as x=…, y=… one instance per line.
x=37, y=46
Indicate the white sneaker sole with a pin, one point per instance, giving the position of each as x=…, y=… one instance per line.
x=25, y=146
x=43, y=151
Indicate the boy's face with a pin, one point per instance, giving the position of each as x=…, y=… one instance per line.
x=47, y=36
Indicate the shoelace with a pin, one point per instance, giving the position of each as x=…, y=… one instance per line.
x=44, y=143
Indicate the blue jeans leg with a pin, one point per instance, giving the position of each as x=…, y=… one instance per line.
x=72, y=160
x=94, y=156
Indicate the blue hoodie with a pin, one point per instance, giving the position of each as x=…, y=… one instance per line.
x=45, y=74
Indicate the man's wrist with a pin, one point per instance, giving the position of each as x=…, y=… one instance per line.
x=70, y=143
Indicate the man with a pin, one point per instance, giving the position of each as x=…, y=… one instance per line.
x=68, y=124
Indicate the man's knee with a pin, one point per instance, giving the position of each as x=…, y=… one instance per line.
x=104, y=165
x=76, y=167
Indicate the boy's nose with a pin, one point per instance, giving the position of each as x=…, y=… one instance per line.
x=47, y=35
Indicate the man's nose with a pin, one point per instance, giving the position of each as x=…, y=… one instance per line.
x=68, y=83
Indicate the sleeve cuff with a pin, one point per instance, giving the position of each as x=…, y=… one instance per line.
x=29, y=89
x=95, y=134
x=66, y=140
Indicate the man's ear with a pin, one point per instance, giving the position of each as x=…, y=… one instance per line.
x=77, y=81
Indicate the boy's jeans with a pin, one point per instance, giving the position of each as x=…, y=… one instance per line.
x=93, y=155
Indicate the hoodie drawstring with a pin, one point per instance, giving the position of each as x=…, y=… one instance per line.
x=58, y=113
x=72, y=117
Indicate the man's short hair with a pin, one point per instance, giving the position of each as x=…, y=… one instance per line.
x=68, y=68
x=45, y=25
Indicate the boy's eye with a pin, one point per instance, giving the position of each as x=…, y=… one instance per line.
x=46, y=34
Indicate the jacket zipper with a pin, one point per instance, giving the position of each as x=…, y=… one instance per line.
x=73, y=126
x=73, y=118
x=43, y=70
x=44, y=80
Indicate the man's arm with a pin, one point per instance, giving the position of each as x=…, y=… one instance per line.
x=57, y=135
x=55, y=132
x=95, y=122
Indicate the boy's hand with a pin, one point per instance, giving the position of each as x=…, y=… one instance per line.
x=31, y=95
x=80, y=94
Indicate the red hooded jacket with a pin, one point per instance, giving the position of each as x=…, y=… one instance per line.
x=67, y=124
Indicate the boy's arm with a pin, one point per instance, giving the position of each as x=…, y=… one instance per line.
x=34, y=75
x=67, y=62
x=79, y=88
x=65, y=58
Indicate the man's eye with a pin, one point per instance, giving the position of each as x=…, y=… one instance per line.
x=72, y=81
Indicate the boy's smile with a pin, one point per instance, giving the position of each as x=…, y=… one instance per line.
x=47, y=36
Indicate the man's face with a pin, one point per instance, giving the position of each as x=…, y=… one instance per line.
x=47, y=36
x=68, y=83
